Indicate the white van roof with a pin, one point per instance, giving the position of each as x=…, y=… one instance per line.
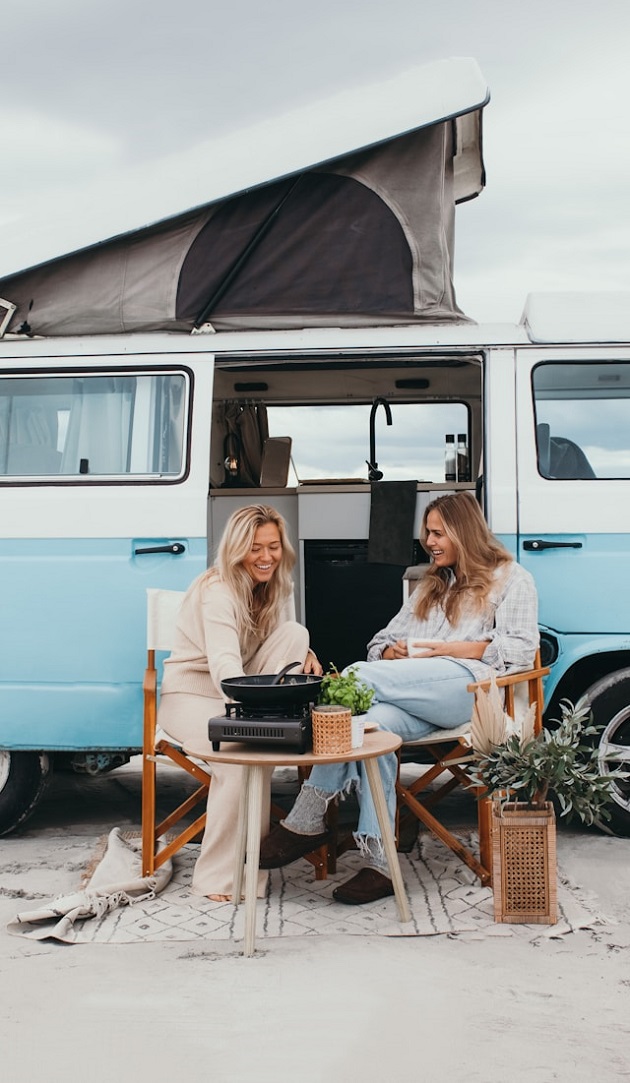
x=577, y=317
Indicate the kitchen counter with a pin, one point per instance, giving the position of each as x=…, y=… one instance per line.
x=331, y=485
x=329, y=509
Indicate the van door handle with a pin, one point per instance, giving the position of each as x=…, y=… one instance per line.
x=538, y=543
x=176, y=548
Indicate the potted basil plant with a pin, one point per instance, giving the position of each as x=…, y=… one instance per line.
x=347, y=690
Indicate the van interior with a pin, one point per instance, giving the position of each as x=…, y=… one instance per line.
x=312, y=436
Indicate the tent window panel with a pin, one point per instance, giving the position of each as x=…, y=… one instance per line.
x=334, y=246
x=92, y=426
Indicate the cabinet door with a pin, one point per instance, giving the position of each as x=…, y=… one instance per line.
x=103, y=489
x=573, y=468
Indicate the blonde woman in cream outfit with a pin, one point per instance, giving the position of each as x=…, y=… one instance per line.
x=236, y=618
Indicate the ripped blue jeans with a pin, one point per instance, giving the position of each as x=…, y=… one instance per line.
x=412, y=697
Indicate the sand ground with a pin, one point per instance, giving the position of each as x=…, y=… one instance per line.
x=372, y=1009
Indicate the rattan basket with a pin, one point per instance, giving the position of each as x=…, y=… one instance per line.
x=332, y=729
x=524, y=871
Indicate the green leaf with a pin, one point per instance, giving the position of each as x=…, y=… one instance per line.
x=346, y=690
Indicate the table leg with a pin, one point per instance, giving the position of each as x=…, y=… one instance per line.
x=254, y=822
x=241, y=839
x=387, y=835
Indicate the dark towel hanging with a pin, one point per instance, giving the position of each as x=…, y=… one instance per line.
x=392, y=513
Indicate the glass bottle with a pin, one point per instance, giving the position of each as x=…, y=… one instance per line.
x=450, y=461
x=463, y=460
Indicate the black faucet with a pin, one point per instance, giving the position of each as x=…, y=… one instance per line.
x=374, y=474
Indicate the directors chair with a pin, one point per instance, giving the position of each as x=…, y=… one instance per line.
x=158, y=842
x=448, y=751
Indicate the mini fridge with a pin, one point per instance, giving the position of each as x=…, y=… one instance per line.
x=349, y=599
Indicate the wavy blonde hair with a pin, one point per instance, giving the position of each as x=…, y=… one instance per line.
x=479, y=554
x=258, y=605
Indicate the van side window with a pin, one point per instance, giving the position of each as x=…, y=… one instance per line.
x=89, y=425
x=582, y=412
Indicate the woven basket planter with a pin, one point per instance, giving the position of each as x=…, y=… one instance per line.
x=524, y=870
x=332, y=729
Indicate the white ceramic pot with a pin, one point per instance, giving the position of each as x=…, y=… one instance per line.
x=358, y=726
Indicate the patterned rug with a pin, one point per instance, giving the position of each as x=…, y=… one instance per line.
x=444, y=895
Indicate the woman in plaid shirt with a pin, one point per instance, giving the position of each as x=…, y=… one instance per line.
x=473, y=614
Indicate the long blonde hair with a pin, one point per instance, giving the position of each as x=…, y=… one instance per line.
x=479, y=554
x=258, y=605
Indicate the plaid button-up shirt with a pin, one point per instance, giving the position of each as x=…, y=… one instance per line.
x=509, y=621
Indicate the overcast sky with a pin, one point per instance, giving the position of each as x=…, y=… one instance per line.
x=90, y=86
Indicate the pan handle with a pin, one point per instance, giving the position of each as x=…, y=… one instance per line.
x=279, y=677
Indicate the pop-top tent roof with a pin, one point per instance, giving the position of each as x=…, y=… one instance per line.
x=336, y=213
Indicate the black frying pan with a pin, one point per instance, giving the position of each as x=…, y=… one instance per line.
x=262, y=689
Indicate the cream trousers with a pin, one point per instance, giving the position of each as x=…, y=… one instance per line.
x=184, y=717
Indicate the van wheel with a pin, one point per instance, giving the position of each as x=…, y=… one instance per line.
x=23, y=779
x=610, y=702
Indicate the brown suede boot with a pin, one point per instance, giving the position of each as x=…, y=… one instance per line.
x=282, y=847
x=367, y=886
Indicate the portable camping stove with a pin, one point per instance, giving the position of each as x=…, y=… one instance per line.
x=289, y=726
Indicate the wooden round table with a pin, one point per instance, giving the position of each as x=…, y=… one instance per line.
x=255, y=760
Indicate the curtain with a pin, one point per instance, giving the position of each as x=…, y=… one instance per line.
x=99, y=425
x=247, y=427
x=28, y=436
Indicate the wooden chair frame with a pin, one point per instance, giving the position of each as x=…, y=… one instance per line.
x=155, y=850
x=454, y=761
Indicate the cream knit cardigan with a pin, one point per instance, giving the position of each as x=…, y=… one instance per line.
x=206, y=647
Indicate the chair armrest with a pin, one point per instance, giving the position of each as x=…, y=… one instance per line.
x=512, y=678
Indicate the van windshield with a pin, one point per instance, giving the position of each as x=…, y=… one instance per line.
x=334, y=441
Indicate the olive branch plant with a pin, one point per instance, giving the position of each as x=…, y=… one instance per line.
x=520, y=766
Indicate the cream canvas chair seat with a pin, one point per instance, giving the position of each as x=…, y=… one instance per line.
x=158, y=841
x=449, y=753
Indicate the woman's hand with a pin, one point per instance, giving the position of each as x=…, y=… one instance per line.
x=396, y=650
x=313, y=665
x=454, y=649
x=464, y=648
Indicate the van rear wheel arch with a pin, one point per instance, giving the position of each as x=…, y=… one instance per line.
x=23, y=780
x=585, y=673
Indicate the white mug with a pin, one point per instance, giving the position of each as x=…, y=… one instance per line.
x=423, y=647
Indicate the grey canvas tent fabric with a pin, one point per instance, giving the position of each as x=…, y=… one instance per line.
x=364, y=239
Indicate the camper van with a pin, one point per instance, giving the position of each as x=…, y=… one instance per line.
x=297, y=344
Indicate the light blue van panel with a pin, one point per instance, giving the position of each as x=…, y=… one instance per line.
x=581, y=590
x=510, y=543
x=581, y=627
x=73, y=637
